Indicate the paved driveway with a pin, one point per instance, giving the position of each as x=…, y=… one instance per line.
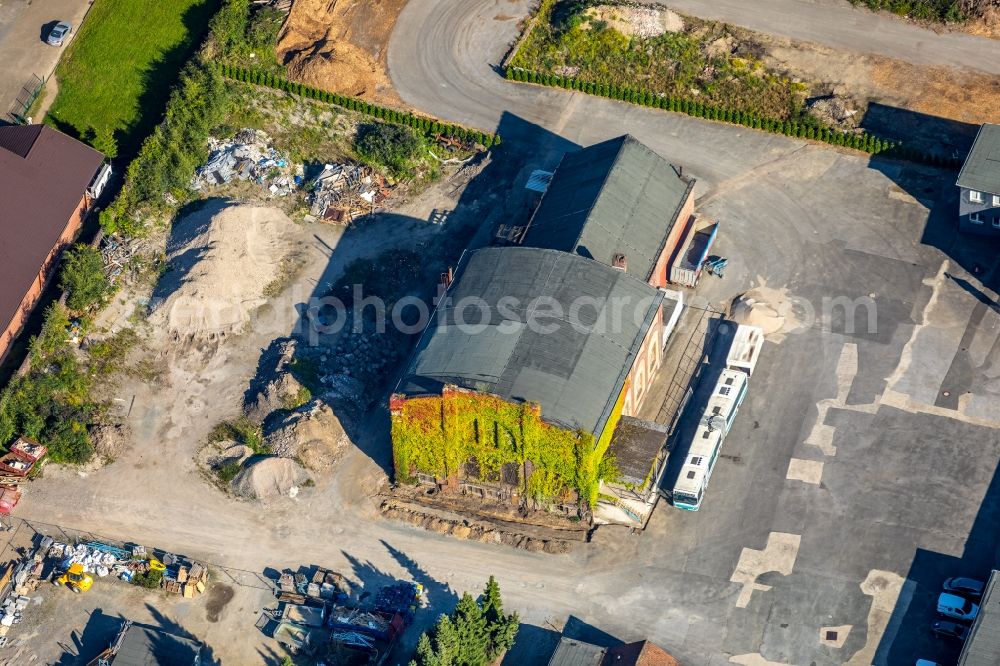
x=23, y=51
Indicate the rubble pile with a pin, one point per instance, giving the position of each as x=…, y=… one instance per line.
x=119, y=252
x=248, y=156
x=342, y=193
x=274, y=387
x=312, y=435
x=364, y=354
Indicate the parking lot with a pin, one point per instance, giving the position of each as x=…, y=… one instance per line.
x=23, y=51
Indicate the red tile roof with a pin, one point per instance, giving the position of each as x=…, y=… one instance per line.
x=43, y=177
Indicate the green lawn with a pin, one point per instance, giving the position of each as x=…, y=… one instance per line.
x=117, y=72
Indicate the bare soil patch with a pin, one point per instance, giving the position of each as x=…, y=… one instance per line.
x=341, y=45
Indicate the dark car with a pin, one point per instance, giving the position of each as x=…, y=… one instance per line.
x=967, y=587
x=59, y=33
x=945, y=629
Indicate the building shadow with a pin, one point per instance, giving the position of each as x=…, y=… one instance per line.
x=943, y=137
x=907, y=636
x=164, y=644
x=533, y=646
x=712, y=362
x=97, y=635
x=934, y=189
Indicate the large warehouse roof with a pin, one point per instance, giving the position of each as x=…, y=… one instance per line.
x=501, y=332
x=613, y=197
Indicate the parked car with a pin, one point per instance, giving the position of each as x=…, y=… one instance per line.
x=927, y=662
x=943, y=629
x=956, y=607
x=967, y=587
x=59, y=33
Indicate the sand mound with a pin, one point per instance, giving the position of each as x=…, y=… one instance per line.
x=222, y=259
x=340, y=46
x=769, y=309
x=313, y=435
x=269, y=478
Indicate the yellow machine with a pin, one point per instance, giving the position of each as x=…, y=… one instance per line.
x=75, y=578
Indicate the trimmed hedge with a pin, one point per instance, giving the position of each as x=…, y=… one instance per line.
x=420, y=123
x=864, y=142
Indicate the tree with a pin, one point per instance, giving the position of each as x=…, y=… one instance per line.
x=103, y=139
x=477, y=633
x=83, y=277
x=502, y=628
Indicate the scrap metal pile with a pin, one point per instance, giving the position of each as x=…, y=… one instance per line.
x=344, y=192
x=248, y=156
x=317, y=616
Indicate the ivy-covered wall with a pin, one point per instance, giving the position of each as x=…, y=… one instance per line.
x=438, y=435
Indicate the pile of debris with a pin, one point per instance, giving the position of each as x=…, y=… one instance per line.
x=19, y=579
x=177, y=575
x=323, y=585
x=248, y=156
x=341, y=193
x=363, y=352
x=119, y=252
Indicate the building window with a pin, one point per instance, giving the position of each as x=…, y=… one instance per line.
x=996, y=200
x=996, y=222
x=976, y=218
x=975, y=196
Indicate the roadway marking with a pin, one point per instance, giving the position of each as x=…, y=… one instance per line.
x=840, y=634
x=884, y=588
x=778, y=555
x=807, y=471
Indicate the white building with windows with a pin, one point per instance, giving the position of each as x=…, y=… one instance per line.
x=979, y=184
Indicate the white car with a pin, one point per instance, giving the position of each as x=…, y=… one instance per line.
x=956, y=607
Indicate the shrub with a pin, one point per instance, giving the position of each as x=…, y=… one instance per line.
x=390, y=146
x=83, y=276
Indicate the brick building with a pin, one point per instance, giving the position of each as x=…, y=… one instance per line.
x=48, y=182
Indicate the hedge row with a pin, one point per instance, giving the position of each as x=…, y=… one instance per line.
x=420, y=123
x=864, y=141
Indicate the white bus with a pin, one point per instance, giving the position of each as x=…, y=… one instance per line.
x=713, y=426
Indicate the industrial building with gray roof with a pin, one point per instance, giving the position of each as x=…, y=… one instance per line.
x=617, y=197
x=537, y=325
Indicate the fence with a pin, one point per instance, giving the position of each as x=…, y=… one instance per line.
x=22, y=533
x=25, y=98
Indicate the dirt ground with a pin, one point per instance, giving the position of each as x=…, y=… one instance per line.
x=964, y=96
x=59, y=627
x=341, y=45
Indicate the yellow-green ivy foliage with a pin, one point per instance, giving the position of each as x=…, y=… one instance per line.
x=437, y=435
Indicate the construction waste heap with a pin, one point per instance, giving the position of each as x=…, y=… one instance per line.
x=249, y=156
x=341, y=193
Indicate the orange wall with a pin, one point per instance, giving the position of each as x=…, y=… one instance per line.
x=643, y=371
x=45, y=273
x=661, y=272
